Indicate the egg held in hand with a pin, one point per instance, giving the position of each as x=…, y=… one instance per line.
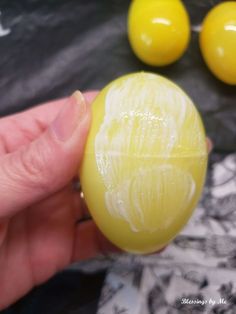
x=145, y=161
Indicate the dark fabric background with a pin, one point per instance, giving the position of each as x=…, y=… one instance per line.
x=58, y=46
x=69, y=292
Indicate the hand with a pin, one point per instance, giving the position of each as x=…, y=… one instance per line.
x=40, y=152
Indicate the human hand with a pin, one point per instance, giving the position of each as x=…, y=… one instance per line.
x=39, y=207
x=39, y=156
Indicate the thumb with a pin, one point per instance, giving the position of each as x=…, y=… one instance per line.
x=48, y=163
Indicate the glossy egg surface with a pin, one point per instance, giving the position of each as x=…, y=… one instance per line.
x=218, y=41
x=158, y=30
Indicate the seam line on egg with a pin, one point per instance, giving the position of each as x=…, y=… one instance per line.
x=118, y=154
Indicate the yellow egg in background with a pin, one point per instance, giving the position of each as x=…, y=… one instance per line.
x=158, y=30
x=145, y=161
x=218, y=41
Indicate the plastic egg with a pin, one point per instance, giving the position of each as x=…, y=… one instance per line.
x=158, y=30
x=218, y=41
x=144, y=163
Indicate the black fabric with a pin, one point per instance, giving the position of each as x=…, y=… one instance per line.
x=57, y=46
x=69, y=292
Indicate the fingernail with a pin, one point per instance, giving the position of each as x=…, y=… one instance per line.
x=209, y=145
x=69, y=117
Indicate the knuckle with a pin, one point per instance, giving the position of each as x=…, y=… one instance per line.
x=35, y=163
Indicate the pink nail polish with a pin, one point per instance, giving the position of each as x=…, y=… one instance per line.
x=69, y=117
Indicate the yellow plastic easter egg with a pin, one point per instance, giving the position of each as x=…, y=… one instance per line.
x=158, y=30
x=218, y=41
x=145, y=161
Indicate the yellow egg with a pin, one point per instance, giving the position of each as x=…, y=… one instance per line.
x=145, y=161
x=218, y=41
x=158, y=30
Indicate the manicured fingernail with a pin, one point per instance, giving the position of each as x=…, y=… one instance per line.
x=69, y=117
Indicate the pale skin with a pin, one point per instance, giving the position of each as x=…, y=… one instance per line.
x=40, y=209
x=38, y=231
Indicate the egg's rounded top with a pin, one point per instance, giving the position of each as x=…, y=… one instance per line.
x=159, y=111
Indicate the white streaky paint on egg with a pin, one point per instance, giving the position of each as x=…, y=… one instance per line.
x=132, y=129
x=133, y=201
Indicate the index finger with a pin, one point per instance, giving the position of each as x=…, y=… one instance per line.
x=45, y=113
x=22, y=128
